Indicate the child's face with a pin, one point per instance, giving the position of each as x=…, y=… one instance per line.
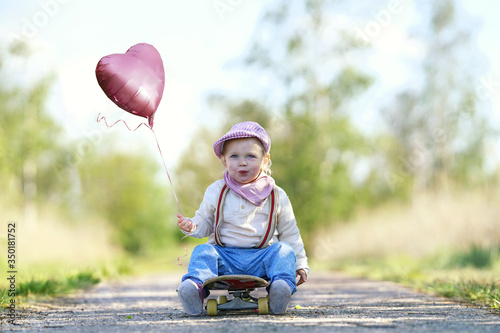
x=244, y=159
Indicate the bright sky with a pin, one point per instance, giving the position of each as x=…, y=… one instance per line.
x=196, y=43
x=194, y=39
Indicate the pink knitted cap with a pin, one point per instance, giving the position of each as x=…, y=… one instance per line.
x=247, y=129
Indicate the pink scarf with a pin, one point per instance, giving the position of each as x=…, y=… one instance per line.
x=255, y=192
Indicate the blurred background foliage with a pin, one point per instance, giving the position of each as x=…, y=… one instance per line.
x=330, y=167
x=79, y=180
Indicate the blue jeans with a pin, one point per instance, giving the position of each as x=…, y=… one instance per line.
x=276, y=262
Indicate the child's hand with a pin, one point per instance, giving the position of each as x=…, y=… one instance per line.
x=303, y=276
x=185, y=224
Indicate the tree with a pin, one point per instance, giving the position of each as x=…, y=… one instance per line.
x=38, y=166
x=197, y=168
x=29, y=136
x=123, y=189
x=309, y=63
x=437, y=123
x=305, y=105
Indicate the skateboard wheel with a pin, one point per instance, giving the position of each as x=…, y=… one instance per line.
x=263, y=306
x=222, y=299
x=212, y=307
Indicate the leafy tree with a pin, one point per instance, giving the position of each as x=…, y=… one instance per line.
x=197, y=168
x=123, y=189
x=317, y=149
x=305, y=106
x=38, y=166
x=28, y=137
x=437, y=123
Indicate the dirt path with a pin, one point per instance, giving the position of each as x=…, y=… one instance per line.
x=328, y=301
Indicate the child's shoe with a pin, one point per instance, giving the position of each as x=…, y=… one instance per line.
x=191, y=296
x=279, y=296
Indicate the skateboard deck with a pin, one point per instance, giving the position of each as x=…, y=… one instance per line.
x=235, y=282
x=240, y=287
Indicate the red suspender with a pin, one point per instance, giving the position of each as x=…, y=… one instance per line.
x=218, y=217
x=270, y=223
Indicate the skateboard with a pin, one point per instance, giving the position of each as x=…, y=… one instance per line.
x=240, y=287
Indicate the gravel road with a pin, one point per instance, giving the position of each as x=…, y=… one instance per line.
x=328, y=302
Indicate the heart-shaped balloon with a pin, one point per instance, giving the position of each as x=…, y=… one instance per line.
x=133, y=80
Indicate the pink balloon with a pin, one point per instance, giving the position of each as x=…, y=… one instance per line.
x=133, y=80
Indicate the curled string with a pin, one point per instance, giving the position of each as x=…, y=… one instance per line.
x=179, y=262
x=120, y=120
x=99, y=118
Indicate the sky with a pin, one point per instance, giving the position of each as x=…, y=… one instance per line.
x=69, y=37
x=198, y=41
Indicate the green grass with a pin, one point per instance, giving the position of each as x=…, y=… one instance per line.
x=473, y=292
x=476, y=256
x=49, y=279
x=471, y=276
x=42, y=285
x=51, y=286
x=54, y=279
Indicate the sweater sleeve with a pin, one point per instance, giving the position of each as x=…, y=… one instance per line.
x=288, y=232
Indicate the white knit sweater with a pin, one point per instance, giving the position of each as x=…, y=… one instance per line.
x=244, y=223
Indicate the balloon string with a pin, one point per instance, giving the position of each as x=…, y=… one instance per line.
x=168, y=175
x=157, y=144
x=179, y=262
x=126, y=125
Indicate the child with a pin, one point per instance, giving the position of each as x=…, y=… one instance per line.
x=250, y=224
